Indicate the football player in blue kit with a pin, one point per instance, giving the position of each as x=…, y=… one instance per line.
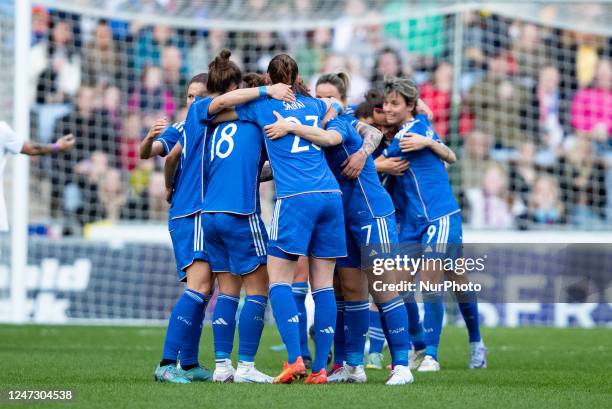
x=159, y=141
x=369, y=220
x=430, y=215
x=307, y=220
x=234, y=234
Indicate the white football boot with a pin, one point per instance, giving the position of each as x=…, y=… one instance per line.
x=429, y=364
x=400, y=375
x=224, y=371
x=415, y=358
x=356, y=374
x=340, y=375
x=247, y=373
x=478, y=355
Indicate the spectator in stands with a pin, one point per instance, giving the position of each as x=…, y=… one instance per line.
x=523, y=173
x=489, y=204
x=40, y=24
x=205, y=49
x=259, y=50
x=84, y=190
x=111, y=104
x=103, y=64
x=545, y=206
x=311, y=55
x=548, y=110
x=129, y=141
x=112, y=195
x=172, y=66
x=156, y=192
x=497, y=103
x=592, y=107
x=528, y=53
x=388, y=63
x=437, y=95
x=475, y=159
x=93, y=132
x=150, y=43
x=583, y=185
x=56, y=66
x=150, y=96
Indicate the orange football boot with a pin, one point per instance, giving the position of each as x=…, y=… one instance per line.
x=317, y=378
x=291, y=372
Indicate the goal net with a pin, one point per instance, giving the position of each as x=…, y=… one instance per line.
x=522, y=92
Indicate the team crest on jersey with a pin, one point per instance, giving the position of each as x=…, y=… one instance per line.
x=429, y=133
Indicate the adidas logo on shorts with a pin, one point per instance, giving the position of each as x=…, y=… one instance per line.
x=328, y=330
x=295, y=318
x=220, y=321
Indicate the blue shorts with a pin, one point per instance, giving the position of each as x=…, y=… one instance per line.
x=235, y=243
x=309, y=224
x=188, y=242
x=379, y=232
x=442, y=237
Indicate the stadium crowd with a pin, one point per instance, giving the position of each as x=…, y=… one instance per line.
x=533, y=136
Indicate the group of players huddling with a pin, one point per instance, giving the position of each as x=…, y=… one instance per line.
x=330, y=204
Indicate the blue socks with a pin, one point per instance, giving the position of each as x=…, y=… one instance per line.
x=357, y=321
x=185, y=327
x=250, y=326
x=287, y=318
x=377, y=336
x=394, y=320
x=469, y=310
x=339, y=337
x=432, y=323
x=300, y=290
x=224, y=325
x=324, y=325
x=414, y=322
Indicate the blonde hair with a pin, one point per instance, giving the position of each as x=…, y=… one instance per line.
x=341, y=80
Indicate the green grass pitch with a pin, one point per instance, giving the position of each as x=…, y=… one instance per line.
x=112, y=367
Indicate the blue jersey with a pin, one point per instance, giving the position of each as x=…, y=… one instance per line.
x=364, y=195
x=171, y=135
x=424, y=192
x=298, y=165
x=234, y=155
x=188, y=193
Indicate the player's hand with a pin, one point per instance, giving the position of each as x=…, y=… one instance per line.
x=65, y=143
x=353, y=165
x=158, y=127
x=425, y=109
x=415, y=142
x=169, y=192
x=279, y=128
x=282, y=92
x=392, y=166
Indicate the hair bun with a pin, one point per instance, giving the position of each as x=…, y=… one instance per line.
x=225, y=54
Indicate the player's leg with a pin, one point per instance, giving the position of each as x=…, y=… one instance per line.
x=340, y=334
x=300, y=291
x=374, y=359
x=467, y=301
x=184, y=326
x=393, y=315
x=435, y=243
x=327, y=243
x=321, y=281
x=290, y=233
x=224, y=325
x=468, y=306
x=250, y=326
x=356, y=322
x=200, y=280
